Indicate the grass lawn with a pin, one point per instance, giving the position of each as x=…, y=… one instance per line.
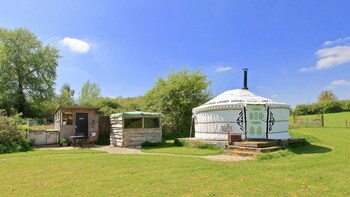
x=320, y=169
x=170, y=148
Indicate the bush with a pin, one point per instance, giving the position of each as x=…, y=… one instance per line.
x=179, y=143
x=194, y=144
x=64, y=142
x=11, y=138
x=103, y=140
x=201, y=146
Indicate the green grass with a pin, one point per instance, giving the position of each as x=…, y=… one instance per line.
x=170, y=148
x=321, y=168
x=45, y=152
x=336, y=120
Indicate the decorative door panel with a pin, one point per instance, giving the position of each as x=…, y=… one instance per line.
x=256, y=121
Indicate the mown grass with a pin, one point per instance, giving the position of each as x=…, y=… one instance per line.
x=322, y=168
x=170, y=148
x=45, y=152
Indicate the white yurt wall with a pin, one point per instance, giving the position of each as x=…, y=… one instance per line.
x=208, y=125
x=279, y=129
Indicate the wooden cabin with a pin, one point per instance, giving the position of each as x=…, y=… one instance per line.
x=73, y=120
x=131, y=129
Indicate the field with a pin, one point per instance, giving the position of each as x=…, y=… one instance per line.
x=333, y=120
x=321, y=168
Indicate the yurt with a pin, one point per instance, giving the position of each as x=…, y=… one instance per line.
x=242, y=113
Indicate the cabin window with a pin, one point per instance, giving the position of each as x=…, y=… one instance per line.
x=130, y=123
x=67, y=119
x=151, y=122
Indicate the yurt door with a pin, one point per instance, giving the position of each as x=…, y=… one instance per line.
x=256, y=122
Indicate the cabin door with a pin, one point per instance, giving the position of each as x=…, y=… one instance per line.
x=256, y=122
x=82, y=124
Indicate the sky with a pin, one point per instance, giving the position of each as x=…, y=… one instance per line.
x=293, y=49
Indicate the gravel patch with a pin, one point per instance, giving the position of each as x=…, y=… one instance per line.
x=223, y=157
x=118, y=150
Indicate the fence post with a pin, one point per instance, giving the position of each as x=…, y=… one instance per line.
x=294, y=121
x=322, y=120
x=346, y=123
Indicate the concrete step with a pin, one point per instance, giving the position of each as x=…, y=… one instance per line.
x=253, y=149
x=256, y=144
x=241, y=153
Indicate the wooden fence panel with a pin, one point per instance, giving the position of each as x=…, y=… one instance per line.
x=104, y=126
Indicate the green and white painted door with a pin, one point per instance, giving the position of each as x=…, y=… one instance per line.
x=256, y=121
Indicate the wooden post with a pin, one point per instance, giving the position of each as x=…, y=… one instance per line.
x=346, y=123
x=322, y=120
x=191, y=127
x=294, y=119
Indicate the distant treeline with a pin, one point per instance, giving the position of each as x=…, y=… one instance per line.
x=322, y=107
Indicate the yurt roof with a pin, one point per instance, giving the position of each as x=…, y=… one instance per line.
x=237, y=98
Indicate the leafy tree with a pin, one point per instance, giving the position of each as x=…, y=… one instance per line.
x=89, y=93
x=302, y=110
x=107, y=106
x=66, y=97
x=332, y=107
x=326, y=96
x=131, y=103
x=175, y=96
x=27, y=70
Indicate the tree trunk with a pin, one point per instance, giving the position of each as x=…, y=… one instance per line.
x=21, y=103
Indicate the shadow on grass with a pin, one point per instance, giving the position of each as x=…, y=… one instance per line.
x=307, y=148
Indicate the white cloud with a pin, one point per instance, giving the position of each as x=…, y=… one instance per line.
x=330, y=57
x=307, y=69
x=340, y=82
x=75, y=45
x=223, y=68
x=338, y=41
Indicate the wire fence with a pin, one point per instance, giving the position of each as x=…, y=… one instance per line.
x=321, y=120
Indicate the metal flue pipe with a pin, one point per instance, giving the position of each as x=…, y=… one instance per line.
x=245, y=80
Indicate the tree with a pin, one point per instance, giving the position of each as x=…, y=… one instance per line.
x=66, y=97
x=175, y=96
x=326, y=96
x=107, y=106
x=89, y=93
x=27, y=70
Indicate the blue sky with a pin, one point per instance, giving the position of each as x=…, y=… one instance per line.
x=293, y=49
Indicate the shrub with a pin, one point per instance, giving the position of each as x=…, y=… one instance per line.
x=64, y=142
x=194, y=144
x=201, y=146
x=11, y=138
x=179, y=143
x=103, y=140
